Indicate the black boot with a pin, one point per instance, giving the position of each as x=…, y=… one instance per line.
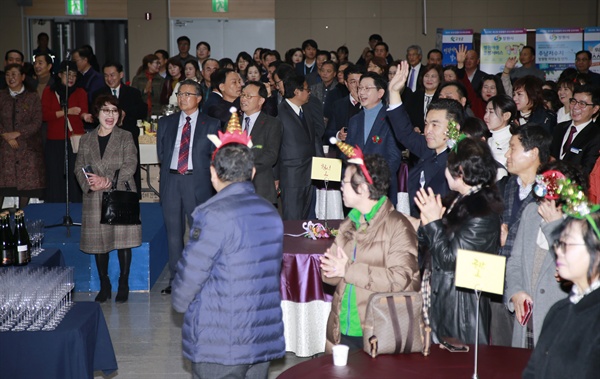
x=125, y=264
x=105, y=287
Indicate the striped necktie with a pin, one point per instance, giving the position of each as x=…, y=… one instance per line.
x=184, y=147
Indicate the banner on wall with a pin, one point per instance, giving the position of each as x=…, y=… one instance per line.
x=451, y=40
x=497, y=45
x=591, y=43
x=556, y=48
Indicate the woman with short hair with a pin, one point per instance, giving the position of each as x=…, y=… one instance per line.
x=527, y=94
x=375, y=250
x=102, y=152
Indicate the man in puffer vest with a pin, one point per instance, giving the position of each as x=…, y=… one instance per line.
x=227, y=281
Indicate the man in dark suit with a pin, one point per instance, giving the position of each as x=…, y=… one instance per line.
x=130, y=101
x=265, y=132
x=346, y=107
x=414, y=55
x=578, y=141
x=229, y=84
x=300, y=142
x=309, y=64
x=371, y=131
x=431, y=146
x=472, y=70
x=583, y=62
x=92, y=80
x=184, y=153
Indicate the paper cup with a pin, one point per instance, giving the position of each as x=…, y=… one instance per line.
x=340, y=355
x=326, y=149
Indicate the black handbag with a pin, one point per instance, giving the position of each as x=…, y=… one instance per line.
x=120, y=207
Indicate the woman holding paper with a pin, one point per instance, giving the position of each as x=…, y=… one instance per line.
x=569, y=346
x=468, y=219
x=531, y=286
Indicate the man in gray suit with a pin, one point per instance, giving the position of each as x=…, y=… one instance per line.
x=265, y=132
x=184, y=153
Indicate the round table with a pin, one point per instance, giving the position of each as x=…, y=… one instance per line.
x=495, y=362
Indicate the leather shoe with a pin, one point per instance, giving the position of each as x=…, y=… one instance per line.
x=166, y=291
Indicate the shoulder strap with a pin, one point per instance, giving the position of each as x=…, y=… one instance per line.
x=115, y=180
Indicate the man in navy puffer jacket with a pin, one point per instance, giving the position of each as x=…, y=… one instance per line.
x=227, y=281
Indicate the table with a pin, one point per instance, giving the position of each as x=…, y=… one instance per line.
x=148, y=156
x=306, y=300
x=148, y=261
x=48, y=258
x=79, y=346
x=495, y=362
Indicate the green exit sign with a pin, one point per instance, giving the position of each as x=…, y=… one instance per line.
x=76, y=7
x=220, y=6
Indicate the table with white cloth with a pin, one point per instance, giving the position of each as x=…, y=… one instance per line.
x=148, y=157
x=306, y=300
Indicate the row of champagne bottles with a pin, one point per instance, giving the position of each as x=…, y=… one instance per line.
x=16, y=247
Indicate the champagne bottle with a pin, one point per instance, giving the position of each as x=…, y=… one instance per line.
x=22, y=240
x=7, y=245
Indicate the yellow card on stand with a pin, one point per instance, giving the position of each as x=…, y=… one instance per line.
x=326, y=169
x=480, y=271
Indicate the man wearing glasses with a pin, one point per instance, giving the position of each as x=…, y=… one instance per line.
x=371, y=131
x=184, y=153
x=130, y=102
x=301, y=141
x=578, y=141
x=265, y=131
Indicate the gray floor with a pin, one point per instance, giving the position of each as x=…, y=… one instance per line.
x=146, y=335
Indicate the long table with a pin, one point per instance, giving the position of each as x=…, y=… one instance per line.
x=148, y=260
x=306, y=300
x=79, y=346
x=495, y=362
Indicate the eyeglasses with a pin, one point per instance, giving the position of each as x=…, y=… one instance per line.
x=581, y=104
x=247, y=96
x=360, y=89
x=109, y=112
x=306, y=89
x=562, y=245
x=185, y=94
x=277, y=82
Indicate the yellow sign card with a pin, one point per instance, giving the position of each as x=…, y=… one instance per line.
x=480, y=271
x=326, y=169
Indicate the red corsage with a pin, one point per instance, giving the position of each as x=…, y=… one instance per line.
x=376, y=139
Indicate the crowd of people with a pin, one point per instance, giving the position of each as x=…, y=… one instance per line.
x=492, y=192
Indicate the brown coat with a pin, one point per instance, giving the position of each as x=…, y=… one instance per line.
x=22, y=168
x=386, y=261
x=120, y=154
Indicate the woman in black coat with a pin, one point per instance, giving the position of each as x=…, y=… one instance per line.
x=569, y=345
x=468, y=219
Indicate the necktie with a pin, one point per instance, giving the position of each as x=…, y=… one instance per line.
x=247, y=126
x=114, y=92
x=184, y=147
x=567, y=144
x=426, y=104
x=301, y=115
x=411, y=79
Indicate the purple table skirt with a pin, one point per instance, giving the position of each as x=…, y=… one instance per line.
x=300, y=272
